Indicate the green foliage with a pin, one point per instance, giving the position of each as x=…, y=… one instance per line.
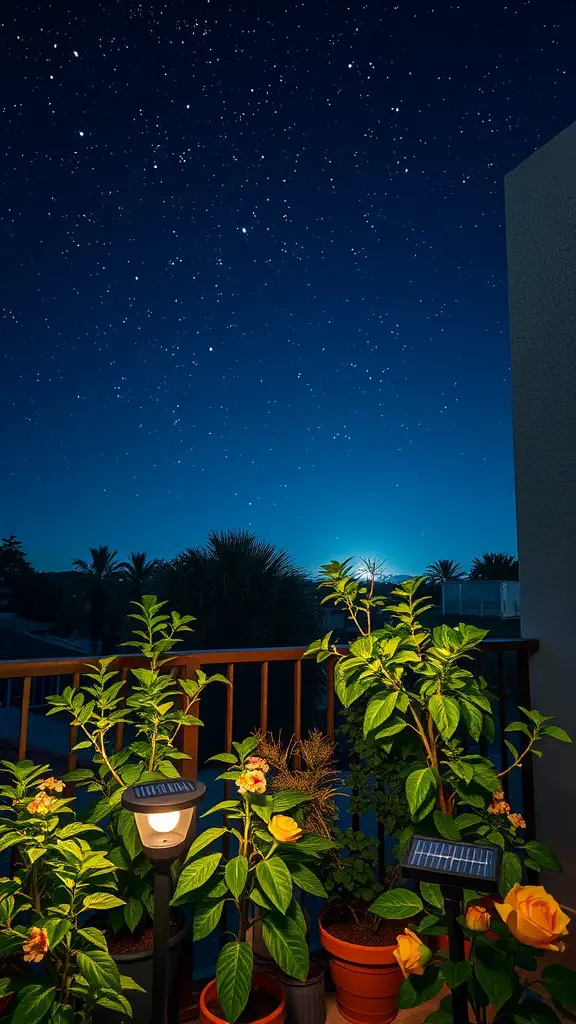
x=258, y=877
x=157, y=707
x=59, y=878
x=350, y=873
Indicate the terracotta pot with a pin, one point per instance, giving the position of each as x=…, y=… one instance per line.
x=262, y=981
x=367, y=978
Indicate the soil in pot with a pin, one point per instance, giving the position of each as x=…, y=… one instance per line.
x=362, y=964
x=260, y=1004
x=266, y=1003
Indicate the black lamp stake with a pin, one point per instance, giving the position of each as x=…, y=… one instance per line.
x=164, y=817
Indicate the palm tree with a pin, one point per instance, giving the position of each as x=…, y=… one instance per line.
x=99, y=572
x=495, y=566
x=244, y=592
x=445, y=570
x=138, y=572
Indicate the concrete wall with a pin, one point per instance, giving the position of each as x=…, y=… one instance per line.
x=541, y=241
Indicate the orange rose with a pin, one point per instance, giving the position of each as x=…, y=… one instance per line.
x=284, y=829
x=477, y=919
x=534, y=917
x=51, y=783
x=36, y=946
x=411, y=953
x=251, y=781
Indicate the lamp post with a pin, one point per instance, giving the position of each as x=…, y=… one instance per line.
x=454, y=866
x=164, y=813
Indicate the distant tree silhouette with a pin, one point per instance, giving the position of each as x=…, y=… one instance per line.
x=13, y=560
x=495, y=566
x=138, y=572
x=244, y=592
x=100, y=572
x=445, y=570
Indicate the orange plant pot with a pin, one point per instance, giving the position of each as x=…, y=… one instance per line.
x=259, y=981
x=367, y=978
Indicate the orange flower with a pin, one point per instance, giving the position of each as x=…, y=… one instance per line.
x=534, y=917
x=477, y=919
x=52, y=783
x=257, y=763
x=411, y=953
x=36, y=946
x=251, y=781
x=517, y=821
x=498, y=805
x=41, y=804
x=284, y=829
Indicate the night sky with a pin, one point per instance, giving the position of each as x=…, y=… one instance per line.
x=254, y=271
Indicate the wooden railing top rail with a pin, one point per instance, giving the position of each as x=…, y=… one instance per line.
x=193, y=659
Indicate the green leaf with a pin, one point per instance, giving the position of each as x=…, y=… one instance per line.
x=195, y=873
x=34, y=1003
x=510, y=872
x=467, y=820
x=57, y=928
x=439, y=1017
x=234, y=978
x=445, y=713
x=473, y=719
x=101, y=901
x=456, y=973
x=127, y=984
x=287, y=944
x=397, y=904
x=306, y=880
x=494, y=973
x=99, y=969
x=115, y=1001
x=543, y=855
x=288, y=799
x=224, y=805
x=446, y=826
x=561, y=983
x=206, y=917
x=417, y=989
x=95, y=937
x=129, y=831
x=236, y=873
x=379, y=708
x=556, y=733
x=79, y=775
x=432, y=893
x=310, y=843
x=418, y=785
x=133, y=912
x=275, y=880
x=203, y=840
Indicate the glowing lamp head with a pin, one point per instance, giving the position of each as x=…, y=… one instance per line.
x=164, y=812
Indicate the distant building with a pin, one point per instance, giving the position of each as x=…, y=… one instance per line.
x=490, y=599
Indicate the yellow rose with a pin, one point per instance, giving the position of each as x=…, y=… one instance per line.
x=284, y=829
x=411, y=953
x=534, y=917
x=477, y=919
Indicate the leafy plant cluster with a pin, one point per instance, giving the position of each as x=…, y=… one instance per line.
x=59, y=881
x=152, y=712
x=427, y=711
x=272, y=856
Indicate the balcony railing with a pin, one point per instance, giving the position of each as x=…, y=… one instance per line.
x=271, y=688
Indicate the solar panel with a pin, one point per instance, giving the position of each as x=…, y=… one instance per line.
x=164, y=788
x=465, y=861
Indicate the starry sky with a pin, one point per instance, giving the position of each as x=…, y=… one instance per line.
x=253, y=271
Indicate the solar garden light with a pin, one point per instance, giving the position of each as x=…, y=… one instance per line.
x=454, y=867
x=164, y=813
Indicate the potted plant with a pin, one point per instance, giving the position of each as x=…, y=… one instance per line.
x=58, y=882
x=272, y=854
x=423, y=706
x=152, y=712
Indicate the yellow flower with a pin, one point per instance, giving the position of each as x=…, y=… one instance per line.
x=259, y=763
x=517, y=821
x=251, y=781
x=51, y=783
x=477, y=919
x=41, y=804
x=284, y=829
x=534, y=917
x=36, y=946
x=411, y=953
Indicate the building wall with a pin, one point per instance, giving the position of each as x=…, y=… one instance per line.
x=541, y=242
